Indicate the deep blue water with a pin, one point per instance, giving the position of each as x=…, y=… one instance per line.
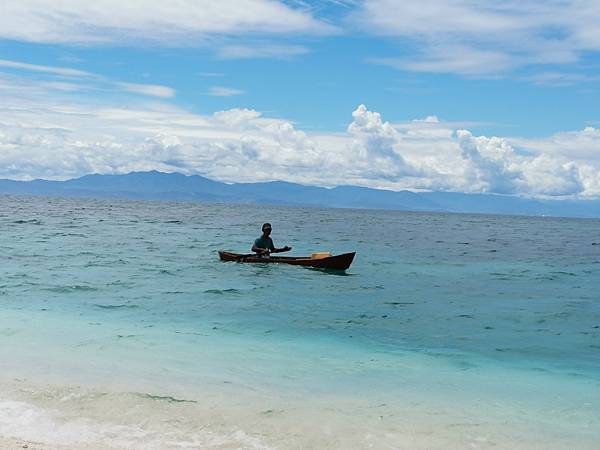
x=88, y=284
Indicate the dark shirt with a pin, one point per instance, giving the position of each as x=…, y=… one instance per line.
x=263, y=242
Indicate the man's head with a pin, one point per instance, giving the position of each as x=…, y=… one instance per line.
x=266, y=228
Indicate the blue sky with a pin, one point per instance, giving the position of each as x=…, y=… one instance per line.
x=431, y=95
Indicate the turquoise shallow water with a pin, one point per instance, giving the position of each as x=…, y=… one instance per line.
x=454, y=331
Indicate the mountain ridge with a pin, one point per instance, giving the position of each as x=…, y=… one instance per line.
x=155, y=185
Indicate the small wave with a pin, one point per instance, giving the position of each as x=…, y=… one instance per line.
x=74, y=288
x=120, y=283
x=95, y=264
x=28, y=221
x=222, y=291
x=166, y=272
x=399, y=303
x=115, y=306
x=68, y=235
x=377, y=287
x=367, y=288
x=503, y=276
x=165, y=398
x=29, y=425
x=190, y=333
x=466, y=365
x=545, y=278
x=8, y=332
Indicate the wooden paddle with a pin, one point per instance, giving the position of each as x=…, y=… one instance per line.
x=284, y=249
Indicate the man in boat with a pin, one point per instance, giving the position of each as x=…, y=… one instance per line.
x=263, y=245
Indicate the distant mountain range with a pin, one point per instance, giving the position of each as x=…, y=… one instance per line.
x=177, y=187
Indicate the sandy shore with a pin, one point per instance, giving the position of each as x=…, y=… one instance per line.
x=13, y=444
x=8, y=443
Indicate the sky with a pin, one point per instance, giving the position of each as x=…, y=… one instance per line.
x=445, y=95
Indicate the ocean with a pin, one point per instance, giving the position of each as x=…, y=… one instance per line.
x=120, y=328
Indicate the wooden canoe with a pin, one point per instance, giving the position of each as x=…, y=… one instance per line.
x=336, y=262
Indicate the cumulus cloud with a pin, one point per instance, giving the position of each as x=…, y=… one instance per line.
x=373, y=137
x=492, y=164
x=571, y=152
x=582, y=146
x=57, y=139
x=484, y=38
x=550, y=176
x=236, y=118
x=429, y=119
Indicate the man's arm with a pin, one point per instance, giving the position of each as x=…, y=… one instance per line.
x=259, y=250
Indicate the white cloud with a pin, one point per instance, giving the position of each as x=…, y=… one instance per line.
x=578, y=152
x=492, y=164
x=211, y=74
x=483, y=38
x=62, y=86
x=429, y=119
x=83, y=80
x=152, y=90
x=549, y=176
x=180, y=22
x=373, y=137
x=64, y=71
x=220, y=91
x=460, y=59
x=236, y=118
x=561, y=78
x=43, y=134
x=581, y=146
x=261, y=51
